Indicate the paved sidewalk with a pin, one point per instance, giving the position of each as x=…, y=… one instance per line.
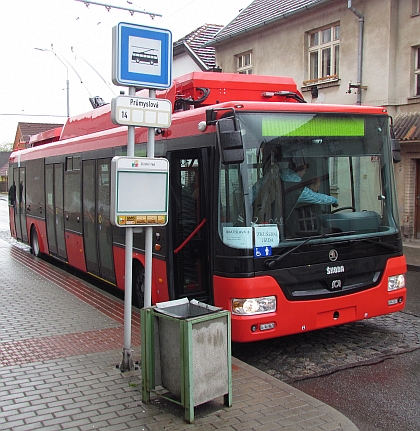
x=60, y=342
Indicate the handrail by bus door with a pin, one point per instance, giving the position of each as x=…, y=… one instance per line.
x=189, y=237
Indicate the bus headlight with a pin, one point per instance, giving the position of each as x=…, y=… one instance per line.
x=396, y=282
x=247, y=306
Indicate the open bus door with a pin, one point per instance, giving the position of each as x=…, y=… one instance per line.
x=189, y=246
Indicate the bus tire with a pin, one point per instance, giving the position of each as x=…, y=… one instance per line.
x=35, y=249
x=138, y=284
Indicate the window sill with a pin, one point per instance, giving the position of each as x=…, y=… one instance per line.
x=320, y=83
x=413, y=100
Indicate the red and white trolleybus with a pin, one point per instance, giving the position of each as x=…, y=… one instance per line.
x=280, y=211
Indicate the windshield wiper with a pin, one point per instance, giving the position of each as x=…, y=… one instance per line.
x=382, y=244
x=269, y=263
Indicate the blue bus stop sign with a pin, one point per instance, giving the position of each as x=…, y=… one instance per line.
x=141, y=56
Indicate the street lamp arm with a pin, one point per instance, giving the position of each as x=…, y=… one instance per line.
x=58, y=58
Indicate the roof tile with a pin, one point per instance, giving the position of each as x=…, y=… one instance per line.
x=262, y=12
x=407, y=126
x=196, y=40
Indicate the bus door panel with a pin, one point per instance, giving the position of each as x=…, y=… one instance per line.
x=89, y=216
x=188, y=257
x=72, y=213
x=15, y=188
x=12, y=201
x=19, y=204
x=22, y=203
x=54, y=210
x=104, y=220
x=97, y=229
x=59, y=209
x=50, y=209
x=12, y=204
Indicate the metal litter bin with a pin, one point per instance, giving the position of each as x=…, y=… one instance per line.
x=186, y=353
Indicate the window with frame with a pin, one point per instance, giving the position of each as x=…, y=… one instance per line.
x=416, y=7
x=417, y=71
x=324, y=53
x=244, y=63
x=73, y=163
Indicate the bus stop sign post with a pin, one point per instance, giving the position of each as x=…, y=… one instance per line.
x=141, y=57
x=127, y=361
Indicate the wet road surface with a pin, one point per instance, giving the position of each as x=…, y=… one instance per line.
x=369, y=370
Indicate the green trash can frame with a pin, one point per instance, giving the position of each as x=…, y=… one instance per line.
x=186, y=350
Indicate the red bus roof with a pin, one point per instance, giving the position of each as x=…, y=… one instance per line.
x=202, y=90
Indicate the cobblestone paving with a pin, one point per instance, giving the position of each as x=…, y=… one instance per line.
x=30, y=302
x=296, y=357
x=59, y=378
x=328, y=350
x=48, y=314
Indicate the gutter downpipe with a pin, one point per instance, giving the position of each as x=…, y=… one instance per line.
x=360, y=51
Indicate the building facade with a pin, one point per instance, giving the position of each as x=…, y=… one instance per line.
x=341, y=51
x=4, y=170
x=190, y=54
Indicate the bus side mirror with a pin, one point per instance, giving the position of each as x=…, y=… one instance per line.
x=396, y=150
x=230, y=141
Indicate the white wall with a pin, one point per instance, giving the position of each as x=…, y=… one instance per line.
x=183, y=64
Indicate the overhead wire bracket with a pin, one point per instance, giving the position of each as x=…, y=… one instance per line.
x=109, y=7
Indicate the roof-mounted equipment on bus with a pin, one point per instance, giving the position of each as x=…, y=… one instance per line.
x=209, y=88
x=96, y=102
x=287, y=94
x=183, y=103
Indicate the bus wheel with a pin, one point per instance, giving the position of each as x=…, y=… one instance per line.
x=35, y=243
x=138, y=284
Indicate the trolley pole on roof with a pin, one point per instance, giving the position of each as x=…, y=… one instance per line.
x=67, y=77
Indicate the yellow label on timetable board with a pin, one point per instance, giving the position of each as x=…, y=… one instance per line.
x=141, y=219
x=151, y=219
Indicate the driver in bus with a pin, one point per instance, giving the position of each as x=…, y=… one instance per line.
x=309, y=194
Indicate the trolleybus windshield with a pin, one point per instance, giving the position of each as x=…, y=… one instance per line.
x=307, y=175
